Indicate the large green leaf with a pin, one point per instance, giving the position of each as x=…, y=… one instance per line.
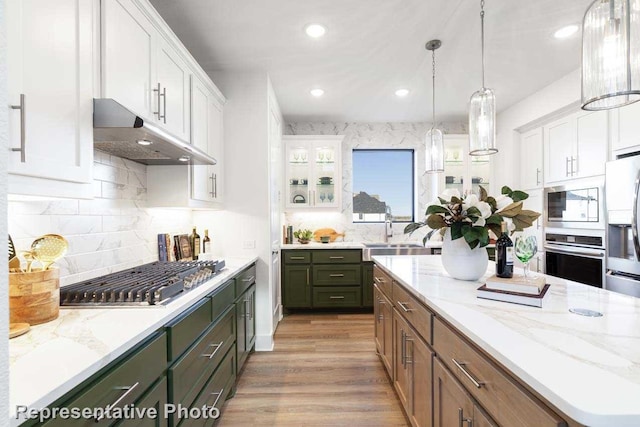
x=492, y=202
x=473, y=211
x=443, y=201
x=506, y=190
x=437, y=209
x=455, y=200
x=410, y=228
x=496, y=229
x=494, y=219
x=511, y=210
x=456, y=230
x=519, y=195
x=436, y=221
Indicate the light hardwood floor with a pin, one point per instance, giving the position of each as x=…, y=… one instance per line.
x=323, y=371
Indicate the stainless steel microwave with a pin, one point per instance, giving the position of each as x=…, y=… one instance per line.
x=575, y=205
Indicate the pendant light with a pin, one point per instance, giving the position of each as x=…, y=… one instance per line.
x=433, y=141
x=610, y=54
x=482, y=112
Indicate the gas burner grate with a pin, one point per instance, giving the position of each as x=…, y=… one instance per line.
x=150, y=284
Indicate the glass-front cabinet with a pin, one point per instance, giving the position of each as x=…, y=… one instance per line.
x=313, y=171
x=461, y=171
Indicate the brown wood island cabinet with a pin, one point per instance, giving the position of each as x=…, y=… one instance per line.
x=441, y=377
x=325, y=278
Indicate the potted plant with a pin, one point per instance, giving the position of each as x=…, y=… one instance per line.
x=303, y=236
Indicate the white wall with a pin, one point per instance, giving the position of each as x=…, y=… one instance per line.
x=243, y=228
x=111, y=232
x=369, y=135
x=4, y=294
x=561, y=96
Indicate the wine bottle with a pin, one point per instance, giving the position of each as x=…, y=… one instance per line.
x=504, y=254
x=195, y=243
x=206, y=242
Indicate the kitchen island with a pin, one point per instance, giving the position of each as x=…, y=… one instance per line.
x=588, y=368
x=54, y=358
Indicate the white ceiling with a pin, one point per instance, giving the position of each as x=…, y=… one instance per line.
x=373, y=47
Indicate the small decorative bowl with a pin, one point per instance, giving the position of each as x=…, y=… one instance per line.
x=325, y=239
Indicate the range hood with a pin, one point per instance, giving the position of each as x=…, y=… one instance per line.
x=118, y=131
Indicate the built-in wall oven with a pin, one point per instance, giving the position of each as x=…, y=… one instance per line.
x=576, y=257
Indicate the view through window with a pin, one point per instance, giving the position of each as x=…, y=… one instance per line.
x=383, y=180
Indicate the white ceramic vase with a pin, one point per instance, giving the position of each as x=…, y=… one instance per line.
x=462, y=262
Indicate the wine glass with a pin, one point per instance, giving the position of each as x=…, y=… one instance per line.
x=296, y=156
x=304, y=157
x=525, y=248
x=330, y=197
x=322, y=197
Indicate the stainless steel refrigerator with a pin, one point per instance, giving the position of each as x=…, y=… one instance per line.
x=623, y=247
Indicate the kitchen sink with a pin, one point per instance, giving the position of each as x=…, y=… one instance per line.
x=372, y=249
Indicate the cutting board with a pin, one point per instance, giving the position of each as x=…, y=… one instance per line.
x=333, y=234
x=17, y=329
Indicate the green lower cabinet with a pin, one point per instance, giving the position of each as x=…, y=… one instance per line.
x=337, y=296
x=296, y=286
x=367, y=284
x=337, y=275
x=155, y=398
x=246, y=324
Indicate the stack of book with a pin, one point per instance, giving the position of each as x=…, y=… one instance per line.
x=517, y=290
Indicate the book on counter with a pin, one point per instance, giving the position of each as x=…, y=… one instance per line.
x=532, y=285
x=534, y=300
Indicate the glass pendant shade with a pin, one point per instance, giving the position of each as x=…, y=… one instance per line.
x=611, y=54
x=435, y=150
x=482, y=123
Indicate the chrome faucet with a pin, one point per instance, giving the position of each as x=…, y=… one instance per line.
x=388, y=225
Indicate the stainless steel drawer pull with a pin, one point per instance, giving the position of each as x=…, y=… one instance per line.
x=379, y=280
x=403, y=306
x=128, y=389
x=336, y=257
x=460, y=366
x=336, y=275
x=250, y=279
x=158, y=95
x=336, y=297
x=217, y=346
x=23, y=129
x=307, y=277
x=217, y=398
x=301, y=258
x=164, y=103
x=462, y=419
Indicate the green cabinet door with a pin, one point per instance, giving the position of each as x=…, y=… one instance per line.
x=367, y=284
x=241, y=337
x=155, y=398
x=296, y=281
x=250, y=337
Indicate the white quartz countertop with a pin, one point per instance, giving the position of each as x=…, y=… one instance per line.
x=588, y=367
x=53, y=358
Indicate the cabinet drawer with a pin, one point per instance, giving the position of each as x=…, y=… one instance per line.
x=383, y=280
x=327, y=256
x=505, y=400
x=415, y=313
x=222, y=299
x=125, y=384
x=190, y=372
x=347, y=296
x=336, y=275
x=245, y=279
x=184, y=330
x=216, y=390
x=297, y=257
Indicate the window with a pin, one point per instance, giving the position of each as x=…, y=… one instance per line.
x=383, y=179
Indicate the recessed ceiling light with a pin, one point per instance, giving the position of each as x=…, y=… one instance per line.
x=401, y=93
x=315, y=30
x=144, y=142
x=317, y=92
x=565, y=32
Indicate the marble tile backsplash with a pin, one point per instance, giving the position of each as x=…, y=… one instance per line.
x=369, y=135
x=114, y=231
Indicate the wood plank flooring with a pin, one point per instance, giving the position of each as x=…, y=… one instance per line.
x=323, y=371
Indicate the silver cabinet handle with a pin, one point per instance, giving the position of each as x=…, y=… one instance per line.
x=403, y=306
x=247, y=309
x=217, y=346
x=215, y=185
x=566, y=166
x=164, y=105
x=408, y=360
x=217, y=398
x=127, y=389
x=301, y=258
x=23, y=129
x=403, y=348
x=250, y=279
x=379, y=280
x=538, y=176
x=212, y=192
x=336, y=297
x=336, y=275
x=461, y=366
x=336, y=257
x=574, y=171
x=307, y=276
x=462, y=419
x=158, y=95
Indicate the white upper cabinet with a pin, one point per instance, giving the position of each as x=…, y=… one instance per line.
x=531, y=161
x=463, y=172
x=625, y=127
x=50, y=81
x=576, y=146
x=141, y=70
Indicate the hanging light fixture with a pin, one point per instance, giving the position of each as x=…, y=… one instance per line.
x=482, y=112
x=433, y=141
x=611, y=54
